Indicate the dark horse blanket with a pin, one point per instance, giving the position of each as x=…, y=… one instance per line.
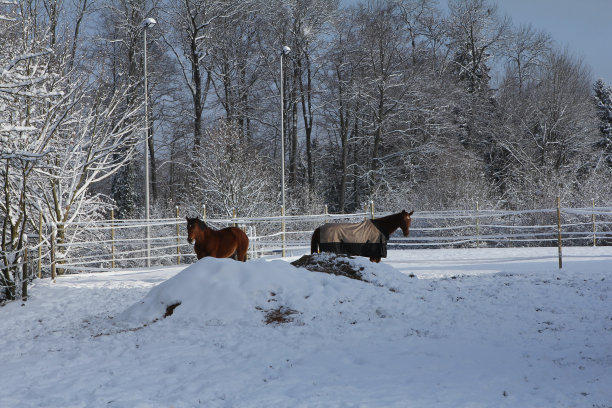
x=363, y=239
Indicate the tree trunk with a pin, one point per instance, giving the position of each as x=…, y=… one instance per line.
x=306, y=96
x=151, y=145
x=378, y=136
x=24, y=275
x=293, y=150
x=198, y=106
x=343, y=161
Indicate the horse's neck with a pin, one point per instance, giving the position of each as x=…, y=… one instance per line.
x=202, y=233
x=388, y=224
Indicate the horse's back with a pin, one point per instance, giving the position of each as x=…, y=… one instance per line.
x=364, y=231
x=361, y=239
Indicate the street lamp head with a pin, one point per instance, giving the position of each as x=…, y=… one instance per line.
x=286, y=50
x=149, y=22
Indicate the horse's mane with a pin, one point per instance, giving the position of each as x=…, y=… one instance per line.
x=202, y=224
x=389, y=218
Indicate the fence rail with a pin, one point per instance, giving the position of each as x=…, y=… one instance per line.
x=113, y=243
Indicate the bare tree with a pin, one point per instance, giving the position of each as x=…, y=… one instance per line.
x=525, y=52
x=191, y=20
x=341, y=103
x=549, y=133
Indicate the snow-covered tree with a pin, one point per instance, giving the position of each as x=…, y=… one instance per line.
x=26, y=95
x=476, y=33
x=59, y=134
x=229, y=173
x=603, y=100
x=86, y=153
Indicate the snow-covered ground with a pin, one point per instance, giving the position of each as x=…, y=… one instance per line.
x=433, y=328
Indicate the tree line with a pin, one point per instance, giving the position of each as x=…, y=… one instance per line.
x=409, y=103
x=406, y=103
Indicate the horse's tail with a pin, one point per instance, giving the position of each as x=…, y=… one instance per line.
x=314, y=242
x=242, y=246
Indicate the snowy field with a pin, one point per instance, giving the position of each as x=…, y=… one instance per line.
x=432, y=328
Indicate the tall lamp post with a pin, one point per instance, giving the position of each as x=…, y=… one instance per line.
x=148, y=22
x=285, y=51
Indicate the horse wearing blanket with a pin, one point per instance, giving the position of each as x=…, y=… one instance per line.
x=368, y=238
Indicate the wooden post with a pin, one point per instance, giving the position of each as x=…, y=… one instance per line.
x=325, y=215
x=372, y=208
x=112, y=238
x=477, y=225
x=60, y=271
x=40, y=240
x=283, y=228
x=53, y=266
x=204, y=212
x=234, y=217
x=24, y=275
x=594, y=227
x=178, y=238
x=559, y=231
x=365, y=210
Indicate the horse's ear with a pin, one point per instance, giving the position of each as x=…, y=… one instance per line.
x=410, y=213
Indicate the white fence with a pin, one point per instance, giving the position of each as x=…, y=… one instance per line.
x=112, y=244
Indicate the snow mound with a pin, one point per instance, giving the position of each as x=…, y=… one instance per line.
x=358, y=268
x=222, y=291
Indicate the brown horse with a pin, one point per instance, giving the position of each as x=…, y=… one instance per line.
x=387, y=225
x=228, y=242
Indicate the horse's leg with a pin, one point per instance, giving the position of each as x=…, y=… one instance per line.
x=314, y=242
x=373, y=259
x=242, y=257
x=200, y=253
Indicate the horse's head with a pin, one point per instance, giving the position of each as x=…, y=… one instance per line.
x=193, y=227
x=405, y=222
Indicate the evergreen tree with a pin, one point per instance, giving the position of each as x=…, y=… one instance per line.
x=123, y=191
x=603, y=99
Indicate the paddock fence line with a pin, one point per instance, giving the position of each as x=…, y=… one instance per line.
x=119, y=243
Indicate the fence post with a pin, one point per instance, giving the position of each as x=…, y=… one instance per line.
x=40, y=240
x=372, y=208
x=24, y=275
x=365, y=210
x=253, y=241
x=178, y=238
x=477, y=225
x=283, y=228
x=204, y=212
x=53, y=266
x=594, y=227
x=559, y=231
x=234, y=217
x=112, y=238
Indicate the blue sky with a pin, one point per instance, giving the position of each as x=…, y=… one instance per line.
x=583, y=26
